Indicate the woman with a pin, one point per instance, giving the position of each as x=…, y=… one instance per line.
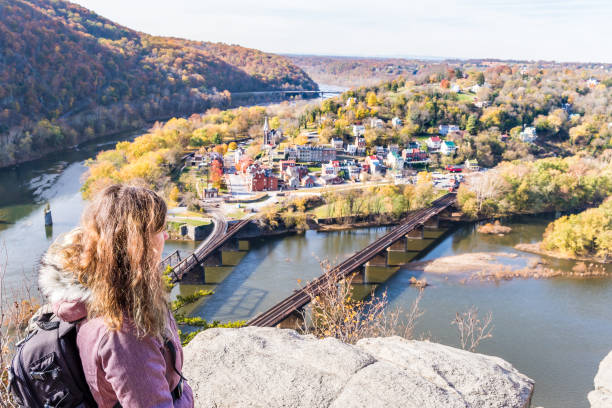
x=106, y=273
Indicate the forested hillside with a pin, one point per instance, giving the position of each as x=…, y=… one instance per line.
x=68, y=75
x=355, y=71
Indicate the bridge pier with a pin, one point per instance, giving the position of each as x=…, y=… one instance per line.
x=360, y=291
x=399, y=245
x=379, y=259
x=432, y=223
x=416, y=233
x=397, y=257
x=244, y=245
x=196, y=275
x=230, y=245
x=214, y=259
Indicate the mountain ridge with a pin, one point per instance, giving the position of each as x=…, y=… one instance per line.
x=68, y=75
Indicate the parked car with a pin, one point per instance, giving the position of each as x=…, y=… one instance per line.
x=454, y=169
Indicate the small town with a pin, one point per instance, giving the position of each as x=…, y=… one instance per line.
x=229, y=173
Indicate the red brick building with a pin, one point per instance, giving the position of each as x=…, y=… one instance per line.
x=260, y=179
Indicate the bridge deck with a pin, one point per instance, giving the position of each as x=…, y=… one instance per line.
x=300, y=298
x=203, y=251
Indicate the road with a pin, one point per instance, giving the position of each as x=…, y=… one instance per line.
x=219, y=227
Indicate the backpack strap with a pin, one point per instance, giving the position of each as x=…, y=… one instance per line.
x=170, y=346
x=46, y=322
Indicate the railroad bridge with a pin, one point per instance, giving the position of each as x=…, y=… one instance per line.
x=373, y=264
x=211, y=252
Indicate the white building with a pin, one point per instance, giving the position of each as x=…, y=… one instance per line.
x=529, y=134
x=311, y=153
x=472, y=165
x=446, y=129
x=475, y=88
x=358, y=130
x=433, y=143
x=337, y=143
x=238, y=154
x=330, y=169
x=376, y=123
x=395, y=161
x=353, y=171
x=293, y=182
x=351, y=149
x=447, y=147
x=396, y=122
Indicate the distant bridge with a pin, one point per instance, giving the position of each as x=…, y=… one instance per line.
x=281, y=92
x=411, y=228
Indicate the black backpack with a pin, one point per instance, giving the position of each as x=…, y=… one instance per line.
x=46, y=371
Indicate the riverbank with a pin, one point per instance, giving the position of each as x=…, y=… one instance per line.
x=355, y=225
x=500, y=266
x=536, y=248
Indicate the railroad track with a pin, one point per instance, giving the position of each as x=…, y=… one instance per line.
x=300, y=298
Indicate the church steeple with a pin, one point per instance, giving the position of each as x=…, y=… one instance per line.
x=267, y=135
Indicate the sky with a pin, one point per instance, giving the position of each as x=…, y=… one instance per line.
x=561, y=30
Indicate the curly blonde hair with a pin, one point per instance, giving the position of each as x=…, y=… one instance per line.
x=113, y=257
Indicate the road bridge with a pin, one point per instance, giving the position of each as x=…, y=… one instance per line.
x=286, y=92
x=222, y=233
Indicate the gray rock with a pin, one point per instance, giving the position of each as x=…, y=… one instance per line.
x=266, y=367
x=601, y=397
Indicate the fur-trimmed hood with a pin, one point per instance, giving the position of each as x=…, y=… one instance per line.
x=60, y=286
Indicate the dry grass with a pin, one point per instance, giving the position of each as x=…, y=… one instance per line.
x=14, y=318
x=471, y=330
x=335, y=313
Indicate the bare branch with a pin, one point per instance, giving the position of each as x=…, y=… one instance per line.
x=471, y=330
x=335, y=312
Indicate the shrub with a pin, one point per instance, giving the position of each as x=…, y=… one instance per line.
x=334, y=312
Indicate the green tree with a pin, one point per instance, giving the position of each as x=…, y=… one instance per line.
x=480, y=78
x=472, y=125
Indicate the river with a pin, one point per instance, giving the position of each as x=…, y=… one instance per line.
x=56, y=179
x=555, y=331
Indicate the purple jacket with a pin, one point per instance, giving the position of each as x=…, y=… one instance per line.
x=118, y=366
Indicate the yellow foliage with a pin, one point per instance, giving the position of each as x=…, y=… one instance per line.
x=424, y=177
x=371, y=99
x=301, y=139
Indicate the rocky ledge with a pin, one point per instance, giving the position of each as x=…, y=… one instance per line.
x=601, y=397
x=265, y=367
